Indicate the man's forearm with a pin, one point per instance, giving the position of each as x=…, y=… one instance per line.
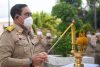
x=13, y=62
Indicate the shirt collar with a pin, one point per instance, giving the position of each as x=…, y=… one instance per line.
x=18, y=28
x=21, y=30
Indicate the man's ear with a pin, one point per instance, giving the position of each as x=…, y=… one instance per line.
x=17, y=16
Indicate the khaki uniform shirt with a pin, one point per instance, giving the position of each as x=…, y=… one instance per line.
x=15, y=48
x=41, y=44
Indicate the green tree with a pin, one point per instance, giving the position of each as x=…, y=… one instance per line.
x=76, y=3
x=64, y=46
x=87, y=27
x=90, y=17
x=91, y=3
x=98, y=17
x=45, y=21
x=66, y=12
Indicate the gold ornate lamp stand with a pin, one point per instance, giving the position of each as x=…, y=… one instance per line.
x=82, y=41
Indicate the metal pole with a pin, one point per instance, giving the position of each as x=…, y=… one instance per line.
x=95, y=13
x=95, y=17
x=8, y=13
x=60, y=37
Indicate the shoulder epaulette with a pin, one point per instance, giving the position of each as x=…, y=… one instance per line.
x=10, y=28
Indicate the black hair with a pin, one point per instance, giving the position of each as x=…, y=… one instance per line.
x=17, y=9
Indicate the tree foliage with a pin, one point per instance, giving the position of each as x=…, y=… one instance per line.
x=45, y=21
x=64, y=46
x=90, y=17
x=76, y=3
x=91, y=3
x=66, y=12
x=98, y=17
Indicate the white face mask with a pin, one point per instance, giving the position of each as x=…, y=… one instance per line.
x=28, y=22
x=48, y=34
x=39, y=33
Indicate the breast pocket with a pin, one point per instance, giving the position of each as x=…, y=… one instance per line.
x=22, y=48
x=21, y=41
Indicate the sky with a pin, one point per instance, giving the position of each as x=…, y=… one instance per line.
x=34, y=5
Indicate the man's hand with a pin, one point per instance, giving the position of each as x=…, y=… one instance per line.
x=40, y=58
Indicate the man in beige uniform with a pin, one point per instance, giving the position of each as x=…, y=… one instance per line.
x=16, y=48
x=42, y=43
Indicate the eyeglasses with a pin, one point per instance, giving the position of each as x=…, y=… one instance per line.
x=28, y=14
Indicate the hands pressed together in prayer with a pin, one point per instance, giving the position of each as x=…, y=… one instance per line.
x=40, y=58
